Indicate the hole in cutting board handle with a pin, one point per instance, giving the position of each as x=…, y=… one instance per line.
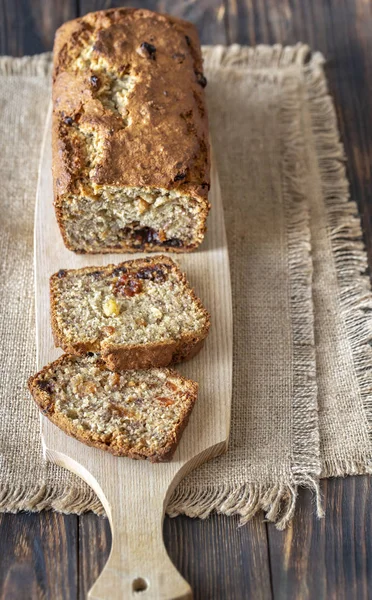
x=139, y=585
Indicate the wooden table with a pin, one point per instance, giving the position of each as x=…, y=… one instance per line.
x=52, y=556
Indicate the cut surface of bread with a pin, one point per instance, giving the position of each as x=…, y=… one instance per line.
x=138, y=314
x=130, y=133
x=139, y=414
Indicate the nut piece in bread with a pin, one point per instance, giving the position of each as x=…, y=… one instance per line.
x=139, y=414
x=138, y=314
x=130, y=134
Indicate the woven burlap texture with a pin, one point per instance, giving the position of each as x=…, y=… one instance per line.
x=302, y=376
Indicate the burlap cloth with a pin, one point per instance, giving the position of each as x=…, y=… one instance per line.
x=302, y=322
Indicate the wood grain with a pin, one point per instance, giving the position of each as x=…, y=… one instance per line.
x=331, y=558
x=226, y=561
x=94, y=549
x=218, y=558
x=208, y=15
x=38, y=556
x=134, y=493
x=29, y=27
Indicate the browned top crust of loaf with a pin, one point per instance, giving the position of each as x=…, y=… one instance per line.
x=129, y=355
x=165, y=145
x=41, y=387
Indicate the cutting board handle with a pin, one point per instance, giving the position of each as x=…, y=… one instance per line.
x=138, y=566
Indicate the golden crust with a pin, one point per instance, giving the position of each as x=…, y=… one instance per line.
x=165, y=145
x=46, y=405
x=134, y=356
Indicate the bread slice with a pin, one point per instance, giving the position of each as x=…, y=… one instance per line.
x=139, y=414
x=138, y=314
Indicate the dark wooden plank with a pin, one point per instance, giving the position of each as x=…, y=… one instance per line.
x=331, y=558
x=208, y=15
x=219, y=559
x=38, y=556
x=94, y=549
x=29, y=27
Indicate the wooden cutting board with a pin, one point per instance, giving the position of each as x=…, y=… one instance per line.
x=135, y=493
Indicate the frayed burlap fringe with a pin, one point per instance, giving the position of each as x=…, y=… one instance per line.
x=349, y=253
x=259, y=57
x=277, y=501
x=305, y=468
x=14, y=499
x=38, y=65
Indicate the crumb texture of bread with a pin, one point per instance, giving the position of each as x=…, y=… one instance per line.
x=143, y=309
x=130, y=133
x=139, y=414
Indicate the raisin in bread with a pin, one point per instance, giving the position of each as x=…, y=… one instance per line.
x=138, y=314
x=140, y=414
x=130, y=133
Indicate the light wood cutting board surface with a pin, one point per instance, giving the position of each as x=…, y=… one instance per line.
x=134, y=493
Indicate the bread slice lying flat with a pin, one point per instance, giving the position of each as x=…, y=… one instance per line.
x=138, y=314
x=139, y=414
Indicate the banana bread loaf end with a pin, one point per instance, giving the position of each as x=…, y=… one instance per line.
x=130, y=133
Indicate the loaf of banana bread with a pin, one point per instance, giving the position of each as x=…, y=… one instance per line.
x=140, y=414
x=130, y=133
x=138, y=314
